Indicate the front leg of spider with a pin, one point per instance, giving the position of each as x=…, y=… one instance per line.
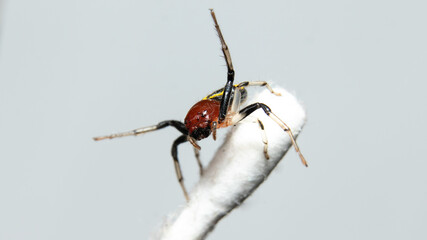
x=225, y=101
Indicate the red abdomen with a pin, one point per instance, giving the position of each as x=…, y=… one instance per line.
x=200, y=117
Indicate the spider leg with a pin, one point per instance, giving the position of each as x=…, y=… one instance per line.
x=225, y=101
x=179, y=140
x=197, y=155
x=264, y=139
x=251, y=108
x=176, y=124
x=257, y=83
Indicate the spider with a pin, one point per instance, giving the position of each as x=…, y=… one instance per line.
x=219, y=109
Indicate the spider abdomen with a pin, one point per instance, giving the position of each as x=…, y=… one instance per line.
x=200, y=117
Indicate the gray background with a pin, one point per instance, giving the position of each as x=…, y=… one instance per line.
x=71, y=70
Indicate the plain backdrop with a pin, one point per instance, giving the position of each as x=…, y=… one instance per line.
x=71, y=70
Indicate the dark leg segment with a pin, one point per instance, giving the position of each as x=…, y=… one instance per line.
x=225, y=101
x=179, y=140
x=251, y=108
x=176, y=124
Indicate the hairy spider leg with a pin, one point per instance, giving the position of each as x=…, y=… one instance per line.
x=176, y=124
x=251, y=108
x=257, y=83
x=225, y=101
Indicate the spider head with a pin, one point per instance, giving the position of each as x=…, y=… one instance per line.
x=200, y=133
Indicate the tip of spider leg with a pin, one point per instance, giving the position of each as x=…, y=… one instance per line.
x=304, y=162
